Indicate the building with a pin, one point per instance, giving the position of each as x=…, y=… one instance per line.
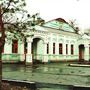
x=55, y=41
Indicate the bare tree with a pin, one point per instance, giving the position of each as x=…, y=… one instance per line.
x=73, y=24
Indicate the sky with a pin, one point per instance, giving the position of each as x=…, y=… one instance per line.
x=78, y=10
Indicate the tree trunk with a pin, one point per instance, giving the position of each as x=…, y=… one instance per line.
x=2, y=41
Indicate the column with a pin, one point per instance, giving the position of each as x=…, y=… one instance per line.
x=29, y=55
x=45, y=56
x=86, y=52
x=29, y=47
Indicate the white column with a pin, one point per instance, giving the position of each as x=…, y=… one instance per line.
x=29, y=55
x=29, y=47
x=86, y=53
x=45, y=57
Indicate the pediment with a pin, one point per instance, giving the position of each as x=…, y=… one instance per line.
x=60, y=24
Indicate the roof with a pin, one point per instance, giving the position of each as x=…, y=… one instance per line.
x=59, y=23
x=61, y=20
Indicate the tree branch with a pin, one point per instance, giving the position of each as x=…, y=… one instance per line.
x=7, y=6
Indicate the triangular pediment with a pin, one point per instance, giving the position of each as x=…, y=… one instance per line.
x=60, y=24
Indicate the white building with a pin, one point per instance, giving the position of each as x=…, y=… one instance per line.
x=55, y=41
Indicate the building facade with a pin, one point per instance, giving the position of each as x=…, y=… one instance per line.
x=55, y=41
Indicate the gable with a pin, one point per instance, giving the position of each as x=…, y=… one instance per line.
x=61, y=25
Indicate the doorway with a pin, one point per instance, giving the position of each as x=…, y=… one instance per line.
x=81, y=52
x=37, y=50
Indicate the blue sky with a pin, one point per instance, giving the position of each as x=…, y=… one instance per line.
x=66, y=9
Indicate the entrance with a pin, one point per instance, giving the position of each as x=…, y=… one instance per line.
x=37, y=50
x=81, y=52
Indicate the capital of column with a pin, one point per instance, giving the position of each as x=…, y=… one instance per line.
x=86, y=46
x=29, y=40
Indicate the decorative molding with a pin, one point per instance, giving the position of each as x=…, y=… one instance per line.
x=67, y=41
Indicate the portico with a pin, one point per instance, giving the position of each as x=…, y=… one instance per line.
x=37, y=50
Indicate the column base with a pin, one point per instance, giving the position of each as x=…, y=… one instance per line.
x=29, y=59
x=44, y=62
x=28, y=64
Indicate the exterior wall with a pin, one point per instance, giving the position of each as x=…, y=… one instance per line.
x=57, y=38
x=8, y=56
x=49, y=36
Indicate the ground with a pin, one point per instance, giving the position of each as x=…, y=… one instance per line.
x=53, y=73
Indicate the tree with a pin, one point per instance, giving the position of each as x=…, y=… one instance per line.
x=15, y=20
x=87, y=31
x=73, y=24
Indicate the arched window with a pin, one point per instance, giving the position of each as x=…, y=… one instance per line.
x=53, y=48
x=60, y=48
x=14, y=46
x=72, y=50
x=47, y=48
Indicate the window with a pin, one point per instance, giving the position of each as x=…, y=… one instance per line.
x=25, y=47
x=14, y=46
x=47, y=48
x=66, y=48
x=60, y=48
x=53, y=48
x=72, y=50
